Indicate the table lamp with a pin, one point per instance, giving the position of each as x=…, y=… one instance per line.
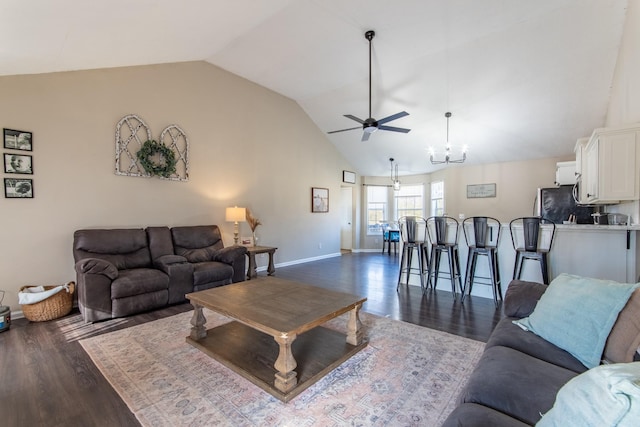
x=235, y=215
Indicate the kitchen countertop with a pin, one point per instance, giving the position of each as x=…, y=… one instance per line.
x=593, y=227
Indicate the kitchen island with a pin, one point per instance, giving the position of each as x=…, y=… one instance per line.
x=599, y=251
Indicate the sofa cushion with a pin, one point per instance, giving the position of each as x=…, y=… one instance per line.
x=577, y=314
x=624, y=339
x=197, y=243
x=521, y=298
x=507, y=334
x=607, y=395
x=124, y=248
x=515, y=383
x=209, y=272
x=474, y=415
x=138, y=281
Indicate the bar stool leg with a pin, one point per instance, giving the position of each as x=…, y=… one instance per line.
x=545, y=268
x=402, y=261
x=452, y=269
x=471, y=271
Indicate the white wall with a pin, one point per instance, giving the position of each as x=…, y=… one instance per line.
x=624, y=106
x=249, y=147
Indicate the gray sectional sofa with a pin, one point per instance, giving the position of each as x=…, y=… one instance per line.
x=520, y=374
x=121, y=272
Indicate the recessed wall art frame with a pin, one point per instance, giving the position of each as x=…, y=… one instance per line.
x=15, y=188
x=18, y=163
x=131, y=134
x=18, y=139
x=319, y=200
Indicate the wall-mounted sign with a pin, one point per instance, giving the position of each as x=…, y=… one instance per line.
x=481, y=191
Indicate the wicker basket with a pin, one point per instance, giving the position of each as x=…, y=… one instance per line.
x=55, y=306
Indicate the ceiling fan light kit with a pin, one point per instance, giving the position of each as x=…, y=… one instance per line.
x=447, y=150
x=371, y=125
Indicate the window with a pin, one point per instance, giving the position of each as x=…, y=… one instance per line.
x=409, y=201
x=437, y=198
x=376, y=208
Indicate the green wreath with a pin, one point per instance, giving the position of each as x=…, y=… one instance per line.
x=165, y=167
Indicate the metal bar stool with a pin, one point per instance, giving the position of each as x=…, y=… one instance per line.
x=530, y=247
x=483, y=241
x=443, y=240
x=413, y=235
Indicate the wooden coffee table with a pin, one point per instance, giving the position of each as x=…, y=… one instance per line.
x=276, y=340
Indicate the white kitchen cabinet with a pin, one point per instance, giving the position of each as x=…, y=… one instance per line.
x=580, y=150
x=609, y=166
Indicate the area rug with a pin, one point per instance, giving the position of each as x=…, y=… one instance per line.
x=407, y=376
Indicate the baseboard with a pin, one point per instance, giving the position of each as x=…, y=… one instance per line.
x=301, y=261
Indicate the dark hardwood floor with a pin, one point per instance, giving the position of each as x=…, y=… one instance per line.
x=46, y=378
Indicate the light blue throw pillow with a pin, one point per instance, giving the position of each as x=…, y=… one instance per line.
x=577, y=313
x=607, y=395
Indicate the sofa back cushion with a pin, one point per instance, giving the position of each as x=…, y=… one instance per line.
x=624, y=339
x=124, y=248
x=197, y=243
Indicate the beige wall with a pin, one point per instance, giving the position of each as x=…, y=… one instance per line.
x=249, y=146
x=516, y=187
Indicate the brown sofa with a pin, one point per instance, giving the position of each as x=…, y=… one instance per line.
x=519, y=374
x=126, y=271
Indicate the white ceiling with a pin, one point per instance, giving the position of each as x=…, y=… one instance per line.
x=523, y=79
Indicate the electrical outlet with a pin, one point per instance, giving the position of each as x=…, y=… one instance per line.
x=319, y=245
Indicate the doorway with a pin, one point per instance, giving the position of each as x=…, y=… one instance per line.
x=346, y=218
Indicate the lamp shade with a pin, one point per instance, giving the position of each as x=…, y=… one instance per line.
x=236, y=214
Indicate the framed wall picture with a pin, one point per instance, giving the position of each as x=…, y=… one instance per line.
x=18, y=163
x=481, y=191
x=18, y=139
x=15, y=188
x=349, y=177
x=319, y=199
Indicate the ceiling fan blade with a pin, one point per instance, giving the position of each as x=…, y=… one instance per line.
x=349, y=116
x=365, y=136
x=343, y=130
x=393, y=117
x=394, y=129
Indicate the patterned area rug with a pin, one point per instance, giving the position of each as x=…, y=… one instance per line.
x=407, y=376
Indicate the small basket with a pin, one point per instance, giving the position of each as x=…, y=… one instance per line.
x=55, y=306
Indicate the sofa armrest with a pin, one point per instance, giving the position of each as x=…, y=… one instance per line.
x=522, y=297
x=164, y=261
x=230, y=254
x=97, y=266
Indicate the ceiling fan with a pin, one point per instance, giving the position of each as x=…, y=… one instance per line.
x=371, y=125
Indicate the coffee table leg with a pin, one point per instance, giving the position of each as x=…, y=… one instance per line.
x=355, y=334
x=286, y=377
x=198, y=321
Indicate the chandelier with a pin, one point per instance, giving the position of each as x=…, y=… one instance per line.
x=447, y=150
x=394, y=175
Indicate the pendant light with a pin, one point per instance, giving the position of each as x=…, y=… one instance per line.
x=447, y=150
x=394, y=177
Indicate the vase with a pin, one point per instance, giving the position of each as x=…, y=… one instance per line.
x=255, y=239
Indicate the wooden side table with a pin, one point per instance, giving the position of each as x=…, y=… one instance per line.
x=252, y=251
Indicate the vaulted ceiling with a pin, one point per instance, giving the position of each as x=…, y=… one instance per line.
x=523, y=79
